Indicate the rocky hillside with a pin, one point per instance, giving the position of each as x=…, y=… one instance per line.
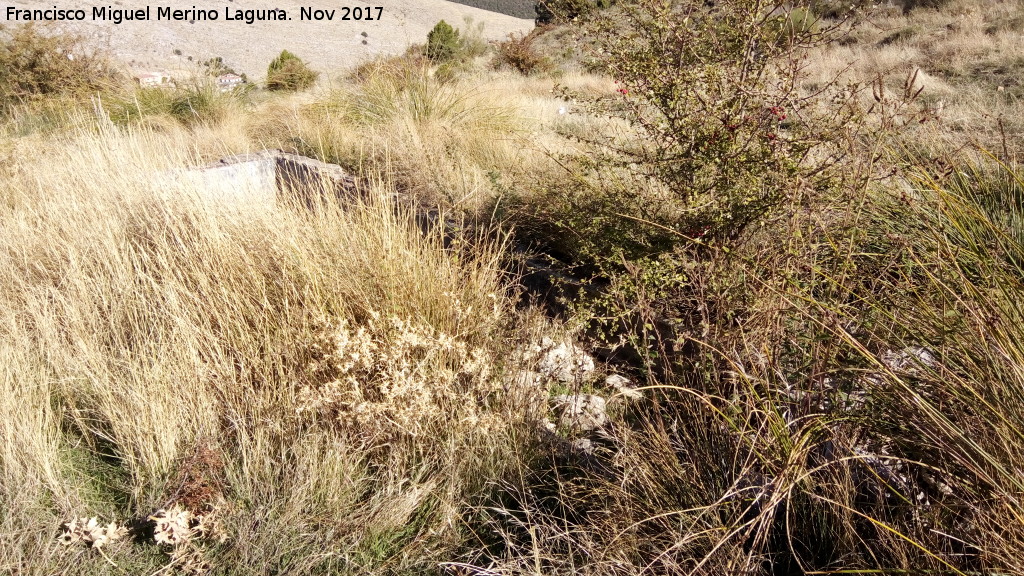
x=328, y=45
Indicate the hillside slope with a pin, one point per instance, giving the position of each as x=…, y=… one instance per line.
x=326, y=45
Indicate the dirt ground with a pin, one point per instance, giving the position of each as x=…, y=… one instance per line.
x=328, y=46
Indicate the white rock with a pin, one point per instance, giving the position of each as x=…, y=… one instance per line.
x=909, y=359
x=565, y=362
x=584, y=445
x=623, y=386
x=584, y=412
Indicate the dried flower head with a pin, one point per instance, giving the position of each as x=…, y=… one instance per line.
x=395, y=375
x=173, y=526
x=91, y=532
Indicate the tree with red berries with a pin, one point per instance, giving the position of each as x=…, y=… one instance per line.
x=715, y=95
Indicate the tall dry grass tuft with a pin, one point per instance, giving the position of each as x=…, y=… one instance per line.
x=327, y=386
x=449, y=142
x=848, y=401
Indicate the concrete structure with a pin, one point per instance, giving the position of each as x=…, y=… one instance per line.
x=272, y=178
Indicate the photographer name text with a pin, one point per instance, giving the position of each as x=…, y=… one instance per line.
x=193, y=14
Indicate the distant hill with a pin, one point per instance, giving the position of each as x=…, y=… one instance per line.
x=330, y=47
x=516, y=8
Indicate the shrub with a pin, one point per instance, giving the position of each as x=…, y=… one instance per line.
x=471, y=39
x=289, y=72
x=452, y=49
x=827, y=354
x=517, y=52
x=713, y=137
x=560, y=11
x=797, y=23
x=839, y=8
x=442, y=43
x=717, y=127
x=34, y=63
x=215, y=67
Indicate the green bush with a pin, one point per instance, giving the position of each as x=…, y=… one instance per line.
x=288, y=72
x=797, y=23
x=452, y=49
x=442, y=43
x=716, y=126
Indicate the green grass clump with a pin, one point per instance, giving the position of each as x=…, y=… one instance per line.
x=190, y=105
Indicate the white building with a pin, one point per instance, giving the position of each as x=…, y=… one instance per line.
x=228, y=82
x=151, y=79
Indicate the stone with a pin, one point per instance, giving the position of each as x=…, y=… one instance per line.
x=565, y=362
x=583, y=412
x=271, y=178
x=910, y=359
x=584, y=446
x=548, y=425
x=623, y=386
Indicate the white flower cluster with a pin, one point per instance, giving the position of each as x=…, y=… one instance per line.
x=172, y=526
x=179, y=526
x=91, y=532
x=396, y=375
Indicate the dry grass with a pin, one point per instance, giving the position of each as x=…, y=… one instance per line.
x=458, y=143
x=143, y=326
x=968, y=55
x=338, y=390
